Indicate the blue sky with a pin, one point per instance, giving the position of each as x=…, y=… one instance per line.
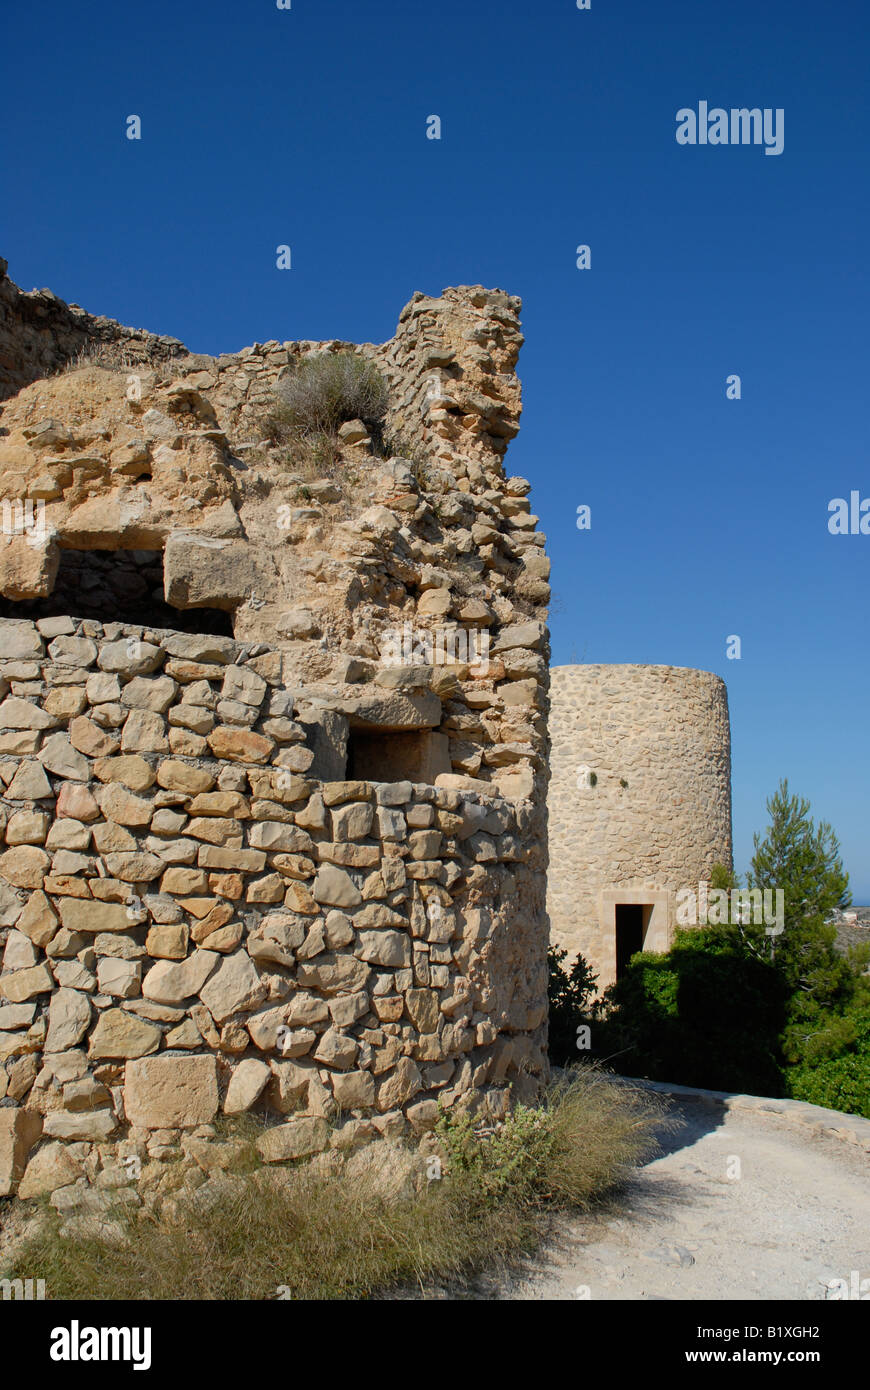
x=307, y=127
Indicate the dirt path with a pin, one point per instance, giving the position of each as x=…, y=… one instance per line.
x=797, y=1216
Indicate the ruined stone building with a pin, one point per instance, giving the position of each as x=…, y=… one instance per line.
x=273, y=742
x=639, y=804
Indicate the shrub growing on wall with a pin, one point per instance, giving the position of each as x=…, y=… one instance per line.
x=330, y=388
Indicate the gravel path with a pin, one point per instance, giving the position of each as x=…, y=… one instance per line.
x=797, y=1216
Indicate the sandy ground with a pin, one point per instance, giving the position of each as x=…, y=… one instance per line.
x=797, y=1216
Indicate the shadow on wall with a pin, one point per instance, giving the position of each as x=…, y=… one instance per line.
x=117, y=586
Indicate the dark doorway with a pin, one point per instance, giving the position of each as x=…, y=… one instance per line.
x=117, y=586
x=631, y=925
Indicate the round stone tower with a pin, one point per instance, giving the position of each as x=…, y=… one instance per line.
x=639, y=804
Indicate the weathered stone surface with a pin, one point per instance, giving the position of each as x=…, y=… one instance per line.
x=335, y=888
x=69, y=1016
x=233, y=987
x=19, y=1131
x=50, y=1167
x=171, y=983
x=354, y=1090
x=144, y=732
x=391, y=948
x=240, y=745
x=16, y=1015
x=95, y=1125
x=204, y=572
x=121, y=979
x=532, y=634
x=84, y=915
x=59, y=756
x=25, y=866
x=120, y=1034
x=11, y=905
x=19, y=953
x=333, y=973
x=400, y=1085
x=22, y=985
x=88, y=738
x=77, y=802
x=168, y=941
x=130, y=769
x=293, y=1140
x=335, y=1049
x=248, y=1081
x=19, y=641
x=352, y=821
x=85, y=1094
x=29, y=783
x=274, y=835
x=16, y=713
x=249, y=861
x=130, y=658
x=177, y=776
x=168, y=1092
x=141, y=693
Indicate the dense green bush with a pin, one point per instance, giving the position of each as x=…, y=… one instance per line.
x=733, y=1007
x=705, y=1014
x=835, y=1067
x=570, y=993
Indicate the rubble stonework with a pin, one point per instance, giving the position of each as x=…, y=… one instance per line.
x=192, y=917
x=262, y=866
x=40, y=334
x=639, y=800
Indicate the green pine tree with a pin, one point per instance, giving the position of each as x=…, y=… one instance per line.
x=803, y=860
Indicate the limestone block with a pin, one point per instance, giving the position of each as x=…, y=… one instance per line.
x=390, y=948
x=121, y=1034
x=171, y=983
x=95, y=1125
x=293, y=1140
x=19, y=640
x=233, y=987
x=171, y=1092
x=209, y=572
x=85, y=915
x=247, y=1082
x=52, y=1166
x=69, y=1017
x=333, y=887
x=28, y=565
x=354, y=1090
x=23, y=985
x=19, y=1131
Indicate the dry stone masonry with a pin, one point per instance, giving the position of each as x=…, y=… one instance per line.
x=247, y=860
x=639, y=803
x=40, y=334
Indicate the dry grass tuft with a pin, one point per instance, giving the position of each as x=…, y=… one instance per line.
x=313, y=1235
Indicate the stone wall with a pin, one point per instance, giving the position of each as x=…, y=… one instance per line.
x=194, y=916
x=40, y=334
x=273, y=738
x=423, y=535
x=639, y=799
